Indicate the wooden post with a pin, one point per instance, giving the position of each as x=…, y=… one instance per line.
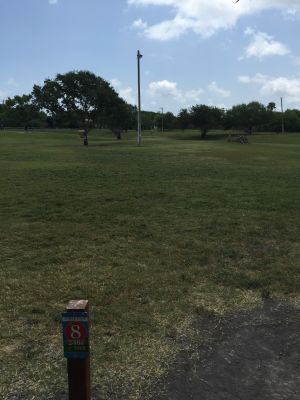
x=76, y=348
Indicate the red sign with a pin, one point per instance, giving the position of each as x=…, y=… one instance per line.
x=75, y=331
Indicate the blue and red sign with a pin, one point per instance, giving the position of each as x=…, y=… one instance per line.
x=76, y=334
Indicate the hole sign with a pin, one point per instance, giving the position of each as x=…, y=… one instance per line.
x=75, y=331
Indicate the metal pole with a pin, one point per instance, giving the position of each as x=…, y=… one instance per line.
x=139, y=140
x=282, y=117
x=162, y=119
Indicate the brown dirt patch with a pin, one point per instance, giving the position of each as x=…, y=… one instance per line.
x=250, y=355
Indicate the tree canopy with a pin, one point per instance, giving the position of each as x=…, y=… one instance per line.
x=78, y=98
x=21, y=111
x=205, y=118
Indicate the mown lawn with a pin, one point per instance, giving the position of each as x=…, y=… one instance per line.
x=152, y=236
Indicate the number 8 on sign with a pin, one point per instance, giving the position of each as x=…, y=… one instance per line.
x=75, y=331
x=76, y=334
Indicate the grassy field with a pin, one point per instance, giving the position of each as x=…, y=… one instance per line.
x=152, y=236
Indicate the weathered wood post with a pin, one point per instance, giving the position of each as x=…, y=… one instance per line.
x=76, y=348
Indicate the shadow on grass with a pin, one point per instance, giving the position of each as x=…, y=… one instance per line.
x=209, y=137
x=113, y=144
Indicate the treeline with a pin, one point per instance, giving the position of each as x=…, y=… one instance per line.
x=249, y=117
x=80, y=99
x=77, y=99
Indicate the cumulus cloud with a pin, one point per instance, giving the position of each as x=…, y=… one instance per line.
x=53, y=1
x=288, y=87
x=205, y=17
x=163, y=88
x=218, y=91
x=115, y=82
x=126, y=93
x=139, y=24
x=169, y=89
x=263, y=45
x=193, y=96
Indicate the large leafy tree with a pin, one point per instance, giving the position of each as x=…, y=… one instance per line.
x=21, y=111
x=206, y=118
x=48, y=98
x=165, y=121
x=82, y=98
x=120, y=117
x=150, y=119
x=247, y=116
x=292, y=120
x=271, y=106
x=169, y=120
x=183, y=119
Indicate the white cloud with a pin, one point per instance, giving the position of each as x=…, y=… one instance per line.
x=193, y=96
x=288, y=87
x=53, y=1
x=139, y=24
x=127, y=95
x=218, y=91
x=291, y=14
x=244, y=79
x=163, y=88
x=258, y=78
x=205, y=17
x=263, y=45
x=169, y=89
x=115, y=82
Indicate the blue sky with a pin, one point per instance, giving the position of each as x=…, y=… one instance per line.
x=194, y=51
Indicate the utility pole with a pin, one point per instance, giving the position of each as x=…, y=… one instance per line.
x=282, y=117
x=139, y=138
x=162, y=119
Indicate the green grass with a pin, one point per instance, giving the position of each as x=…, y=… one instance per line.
x=152, y=236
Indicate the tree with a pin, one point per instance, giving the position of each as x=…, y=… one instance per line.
x=183, y=119
x=121, y=117
x=271, y=106
x=168, y=121
x=205, y=118
x=21, y=111
x=48, y=99
x=246, y=116
x=292, y=120
x=271, y=122
x=81, y=99
x=149, y=120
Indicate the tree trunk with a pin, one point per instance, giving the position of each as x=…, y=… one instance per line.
x=118, y=134
x=203, y=134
